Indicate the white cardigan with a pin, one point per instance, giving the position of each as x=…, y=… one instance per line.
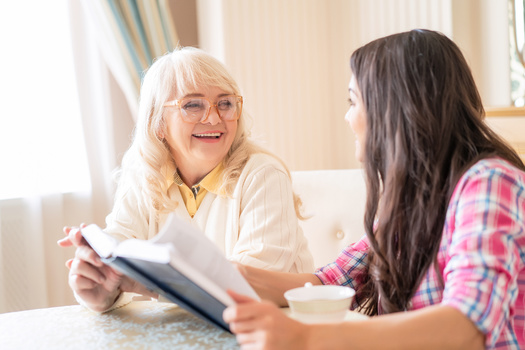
x=257, y=226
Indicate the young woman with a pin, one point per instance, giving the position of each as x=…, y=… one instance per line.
x=442, y=265
x=192, y=155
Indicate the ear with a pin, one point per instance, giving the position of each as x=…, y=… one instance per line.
x=160, y=132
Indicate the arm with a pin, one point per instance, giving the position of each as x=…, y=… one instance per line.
x=485, y=236
x=349, y=269
x=271, y=285
x=434, y=327
x=269, y=234
x=263, y=325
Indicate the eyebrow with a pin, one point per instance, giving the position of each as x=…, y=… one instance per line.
x=196, y=94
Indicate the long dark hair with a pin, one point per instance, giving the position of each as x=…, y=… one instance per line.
x=425, y=128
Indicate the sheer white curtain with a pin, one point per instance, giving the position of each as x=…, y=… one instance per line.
x=44, y=178
x=113, y=43
x=57, y=115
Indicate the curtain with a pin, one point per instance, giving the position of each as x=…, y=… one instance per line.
x=32, y=267
x=130, y=35
x=113, y=43
x=44, y=182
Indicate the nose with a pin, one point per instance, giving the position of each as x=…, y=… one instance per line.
x=213, y=117
x=347, y=117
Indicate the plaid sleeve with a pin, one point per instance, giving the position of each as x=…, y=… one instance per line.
x=349, y=269
x=484, y=229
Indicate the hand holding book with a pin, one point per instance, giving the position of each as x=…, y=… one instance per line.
x=180, y=264
x=95, y=283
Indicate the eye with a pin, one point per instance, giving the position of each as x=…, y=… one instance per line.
x=193, y=105
x=225, y=104
x=351, y=102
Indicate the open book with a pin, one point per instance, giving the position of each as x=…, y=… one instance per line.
x=180, y=263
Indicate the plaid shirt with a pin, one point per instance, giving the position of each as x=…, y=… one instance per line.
x=481, y=257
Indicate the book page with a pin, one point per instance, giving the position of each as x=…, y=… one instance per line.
x=102, y=243
x=195, y=254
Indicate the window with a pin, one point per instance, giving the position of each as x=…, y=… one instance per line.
x=41, y=142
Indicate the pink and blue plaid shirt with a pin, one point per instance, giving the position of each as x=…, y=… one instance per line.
x=481, y=257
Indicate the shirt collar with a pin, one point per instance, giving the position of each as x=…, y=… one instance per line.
x=211, y=182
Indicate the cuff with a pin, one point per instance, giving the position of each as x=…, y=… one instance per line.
x=122, y=300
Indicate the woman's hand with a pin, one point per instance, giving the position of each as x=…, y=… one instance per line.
x=96, y=283
x=262, y=325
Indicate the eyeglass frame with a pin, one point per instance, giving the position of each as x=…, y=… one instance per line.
x=177, y=103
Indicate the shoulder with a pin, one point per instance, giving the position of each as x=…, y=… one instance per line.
x=263, y=161
x=498, y=165
x=491, y=191
x=491, y=174
x=264, y=171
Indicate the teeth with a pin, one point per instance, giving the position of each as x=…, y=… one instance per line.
x=214, y=134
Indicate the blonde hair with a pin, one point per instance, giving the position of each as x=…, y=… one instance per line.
x=148, y=165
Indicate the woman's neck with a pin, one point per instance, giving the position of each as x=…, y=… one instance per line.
x=192, y=174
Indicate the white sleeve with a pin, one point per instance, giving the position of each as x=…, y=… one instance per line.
x=128, y=218
x=122, y=300
x=269, y=233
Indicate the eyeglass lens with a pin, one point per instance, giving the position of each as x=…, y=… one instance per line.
x=197, y=109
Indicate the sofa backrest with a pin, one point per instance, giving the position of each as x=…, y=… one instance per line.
x=335, y=202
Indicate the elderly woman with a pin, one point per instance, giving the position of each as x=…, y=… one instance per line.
x=192, y=155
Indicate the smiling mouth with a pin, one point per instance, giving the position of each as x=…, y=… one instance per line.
x=212, y=135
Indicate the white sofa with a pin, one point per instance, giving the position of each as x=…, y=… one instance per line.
x=335, y=202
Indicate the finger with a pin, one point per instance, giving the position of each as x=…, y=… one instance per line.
x=84, y=269
x=236, y=312
x=239, y=298
x=250, y=310
x=68, y=263
x=245, y=326
x=87, y=254
x=79, y=282
x=64, y=242
x=248, y=340
x=75, y=236
x=239, y=313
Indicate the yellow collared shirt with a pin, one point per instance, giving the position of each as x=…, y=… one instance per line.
x=193, y=196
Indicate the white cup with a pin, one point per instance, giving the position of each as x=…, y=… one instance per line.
x=319, y=304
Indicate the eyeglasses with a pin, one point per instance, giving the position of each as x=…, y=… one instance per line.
x=197, y=109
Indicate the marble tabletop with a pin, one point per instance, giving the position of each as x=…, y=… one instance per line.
x=138, y=325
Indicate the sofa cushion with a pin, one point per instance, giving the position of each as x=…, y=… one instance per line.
x=334, y=201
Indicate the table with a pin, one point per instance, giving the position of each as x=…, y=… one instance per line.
x=138, y=325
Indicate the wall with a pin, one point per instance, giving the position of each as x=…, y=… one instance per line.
x=480, y=28
x=509, y=122
x=291, y=60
